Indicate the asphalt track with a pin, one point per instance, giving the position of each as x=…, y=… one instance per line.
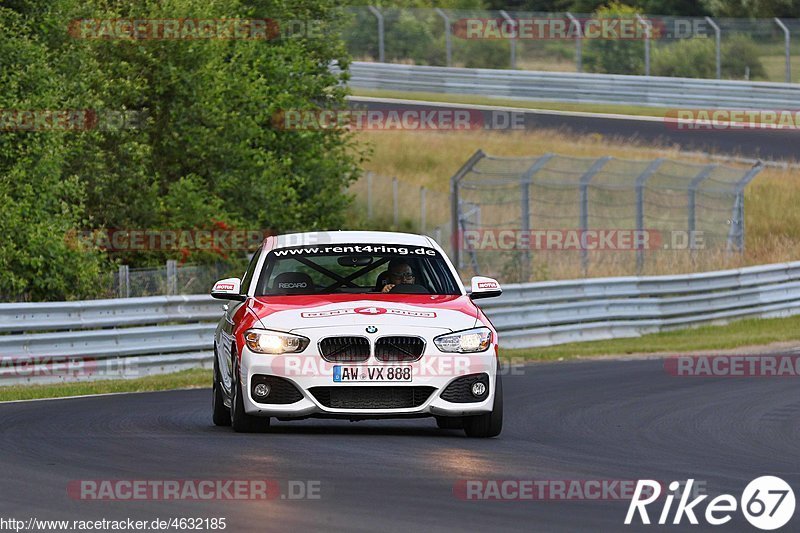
x=768, y=145
x=605, y=420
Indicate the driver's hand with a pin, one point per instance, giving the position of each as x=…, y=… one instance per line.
x=387, y=287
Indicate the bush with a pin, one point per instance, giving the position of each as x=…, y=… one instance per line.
x=614, y=56
x=696, y=58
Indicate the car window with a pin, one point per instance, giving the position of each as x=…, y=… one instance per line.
x=248, y=274
x=354, y=269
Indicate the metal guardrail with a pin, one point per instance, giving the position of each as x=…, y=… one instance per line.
x=138, y=336
x=576, y=87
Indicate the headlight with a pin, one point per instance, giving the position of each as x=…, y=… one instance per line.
x=274, y=342
x=469, y=340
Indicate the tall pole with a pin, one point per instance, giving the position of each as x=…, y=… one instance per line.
x=448, y=35
x=787, y=36
x=578, y=42
x=717, y=39
x=513, y=39
x=378, y=15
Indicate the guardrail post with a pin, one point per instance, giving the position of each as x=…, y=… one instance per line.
x=422, y=210
x=172, y=277
x=513, y=40
x=693, y=186
x=641, y=180
x=717, y=39
x=736, y=230
x=381, y=50
x=787, y=41
x=369, y=195
x=395, y=206
x=584, y=205
x=455, y=215
x=448, y=35
x=124, y=280
x=647, y=34
x=578, y=42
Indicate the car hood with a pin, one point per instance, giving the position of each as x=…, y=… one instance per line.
x=291, y=313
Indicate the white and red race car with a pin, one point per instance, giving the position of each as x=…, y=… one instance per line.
x=355, y=325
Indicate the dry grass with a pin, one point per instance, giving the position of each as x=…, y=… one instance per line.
x=429, y=159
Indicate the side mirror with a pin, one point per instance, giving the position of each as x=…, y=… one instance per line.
x=485, y=288
x=228, y=289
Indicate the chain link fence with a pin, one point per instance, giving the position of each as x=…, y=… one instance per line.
x=170, y=279
x=695, y=47
x=554, y=216
x=387, y=203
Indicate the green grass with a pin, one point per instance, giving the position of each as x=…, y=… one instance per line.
x=647, y=111
x=749, y=332
x=185, y=379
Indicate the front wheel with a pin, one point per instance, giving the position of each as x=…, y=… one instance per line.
x=489, y=424
x=221, y=414
x=240, y=420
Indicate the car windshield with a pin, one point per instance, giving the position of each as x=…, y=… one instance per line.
x=356, y=269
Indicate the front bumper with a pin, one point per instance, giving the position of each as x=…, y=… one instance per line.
x=309, y=371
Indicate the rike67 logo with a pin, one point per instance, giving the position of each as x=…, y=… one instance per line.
x=767, y=502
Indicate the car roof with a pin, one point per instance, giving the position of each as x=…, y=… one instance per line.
x=313, y=238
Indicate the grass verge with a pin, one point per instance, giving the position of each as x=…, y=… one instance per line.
x=743, y=333
x=647, y=111
x=196, y=377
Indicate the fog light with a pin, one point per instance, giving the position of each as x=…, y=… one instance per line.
x=261, y=390
x=478, y=389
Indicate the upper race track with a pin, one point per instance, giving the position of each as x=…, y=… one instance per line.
x=765, y=144
x=606, y=420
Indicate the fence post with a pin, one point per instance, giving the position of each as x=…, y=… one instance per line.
x=736, y=230
x=395, y=206
x=422, y=210
x=717, y=39
x=525, y=209
x=693, y=186
x=172, y=277
x=513, y=40
x=641, y=180
x=455, y=215
x=448, y=37
x=787, y=41
x=584, y=205
x=369, y=195
x=124, y=279
x=647, y=34
x=378, y=15
x=578, y=42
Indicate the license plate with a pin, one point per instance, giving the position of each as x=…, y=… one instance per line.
x=371, y=373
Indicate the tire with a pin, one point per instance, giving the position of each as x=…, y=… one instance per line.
x=489, y=424
x=221, y=414
x=450, y=422
x=240, y=420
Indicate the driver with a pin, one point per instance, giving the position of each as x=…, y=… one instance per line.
x=399, y=273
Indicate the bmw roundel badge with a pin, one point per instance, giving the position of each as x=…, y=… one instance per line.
x=372, y=329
